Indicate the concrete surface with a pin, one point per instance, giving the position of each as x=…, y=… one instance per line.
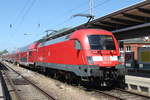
x=140, y=84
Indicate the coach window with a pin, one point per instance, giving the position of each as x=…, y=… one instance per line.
x=30, y=53
x=17, y=55
x=78, y=45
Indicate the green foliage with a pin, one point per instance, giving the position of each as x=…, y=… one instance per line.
x=3, y=52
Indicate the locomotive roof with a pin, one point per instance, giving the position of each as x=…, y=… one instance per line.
x=56, y=34
x=64, y=34
x=53, y=41
x=66, y=37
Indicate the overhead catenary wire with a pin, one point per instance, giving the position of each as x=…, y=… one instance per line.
x=68, y=19
x=75, y=8
x=27, y=4
x=21, y=12
x=27, y=7
x=65, y=21
x=27, y=11
x=71, y=10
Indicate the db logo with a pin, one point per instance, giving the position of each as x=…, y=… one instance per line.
x=106, y=58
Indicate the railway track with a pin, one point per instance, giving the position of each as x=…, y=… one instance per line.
x=23, y=88
x=119, y=94
x=115, y=94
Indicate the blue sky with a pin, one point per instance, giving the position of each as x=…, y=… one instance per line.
x=25, y=16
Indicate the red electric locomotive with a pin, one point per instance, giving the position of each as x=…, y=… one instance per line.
x=89, y=54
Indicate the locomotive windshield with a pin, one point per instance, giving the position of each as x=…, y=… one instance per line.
x=101, y=42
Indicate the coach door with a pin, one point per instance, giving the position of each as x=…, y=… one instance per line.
x=40, y=53
x=43, y=52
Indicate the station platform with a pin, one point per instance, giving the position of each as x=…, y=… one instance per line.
x=138, y=72
x=140, y=84
x=1, y=90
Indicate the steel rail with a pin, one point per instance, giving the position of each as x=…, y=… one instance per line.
x=125, y=91
x=41, y=90
x=6, y=95
x=145, y=96
x=110, y=95
x=17, y=94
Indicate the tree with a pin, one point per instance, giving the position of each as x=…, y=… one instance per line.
x=3, y=52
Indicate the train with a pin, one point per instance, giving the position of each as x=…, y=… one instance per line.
x=89, y=55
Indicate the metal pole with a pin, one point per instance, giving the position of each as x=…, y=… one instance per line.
x=91, y=7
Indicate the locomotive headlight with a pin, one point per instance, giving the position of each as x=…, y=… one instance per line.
x=90, y=60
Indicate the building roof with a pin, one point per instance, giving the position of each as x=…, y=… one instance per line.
x=137, y=41
x=134, y=15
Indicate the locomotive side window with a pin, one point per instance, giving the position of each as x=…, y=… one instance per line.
x=78, y=45
x=101, y=42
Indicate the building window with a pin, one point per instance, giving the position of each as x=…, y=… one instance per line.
x=128, y=48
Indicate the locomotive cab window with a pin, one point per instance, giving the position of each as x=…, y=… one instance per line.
x=78, y=45
x=101, y=42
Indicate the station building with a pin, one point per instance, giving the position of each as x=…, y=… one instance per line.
x=137, y=52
